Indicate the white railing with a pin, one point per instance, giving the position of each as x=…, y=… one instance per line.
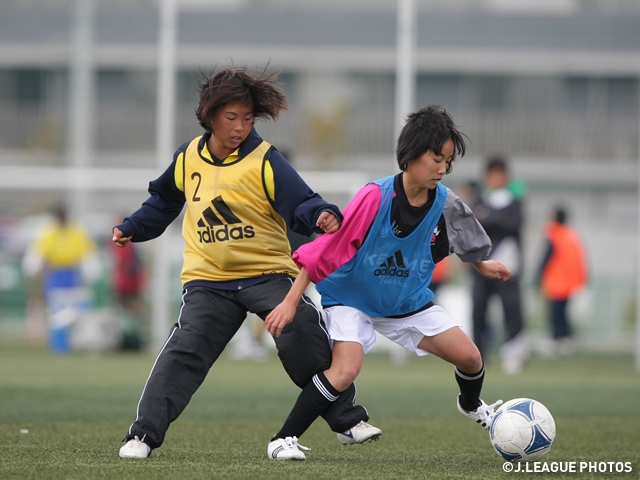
x=130, y=130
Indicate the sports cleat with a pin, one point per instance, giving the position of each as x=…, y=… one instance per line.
x=360, y=434
x=285, y=449
x=135, y=448
x=482, y=415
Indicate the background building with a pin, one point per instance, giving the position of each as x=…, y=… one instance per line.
x=552, y=84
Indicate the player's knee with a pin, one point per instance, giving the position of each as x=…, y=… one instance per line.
x=342, y=376
x=470, y=360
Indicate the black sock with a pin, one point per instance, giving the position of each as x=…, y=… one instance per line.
x=314, y=399
x=470, y=387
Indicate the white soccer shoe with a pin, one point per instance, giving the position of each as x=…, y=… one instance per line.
x=482, y=415
x=360, y=434
x=285, y=449
x=135, y=448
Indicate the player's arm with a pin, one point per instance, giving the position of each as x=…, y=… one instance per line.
x=328, y=222
x=284, y=312
x=163, y=206
x=327, y=253
x=304, y=211
x=492, y=269
x=467, y=239
x=118, y=238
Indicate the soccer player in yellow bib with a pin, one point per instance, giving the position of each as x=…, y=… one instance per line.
x=68, y=259
x=241, y=195
x=63, y=245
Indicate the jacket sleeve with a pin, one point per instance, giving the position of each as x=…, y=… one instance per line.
x=548, y=251
x=294, y=200
x=330, y=251
x=467, y=238
x=161, y=208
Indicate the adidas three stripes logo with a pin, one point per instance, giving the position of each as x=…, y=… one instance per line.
x=211, y=228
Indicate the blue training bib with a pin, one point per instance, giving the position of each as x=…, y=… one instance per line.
x=388, y=276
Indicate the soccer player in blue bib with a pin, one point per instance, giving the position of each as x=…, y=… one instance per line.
x=373, y=274
x=241, y=195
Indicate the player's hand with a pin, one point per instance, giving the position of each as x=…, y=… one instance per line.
x=118, y=239
x=493, y=269
x=328, y=222
x=279, y=318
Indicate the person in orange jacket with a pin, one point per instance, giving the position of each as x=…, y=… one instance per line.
x=563, y=271
x=440, y=274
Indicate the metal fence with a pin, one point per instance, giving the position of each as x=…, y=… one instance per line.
x=131, y=129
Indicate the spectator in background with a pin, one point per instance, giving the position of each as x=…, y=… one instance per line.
x=471, y=193
x=440, y=274
x=499, y=210
x=563, y=271
x=68, y=259
x=127, y=282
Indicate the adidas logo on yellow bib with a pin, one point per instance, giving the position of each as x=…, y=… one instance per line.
x=212, y=229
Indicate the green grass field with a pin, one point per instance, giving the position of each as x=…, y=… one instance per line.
x=77, y=408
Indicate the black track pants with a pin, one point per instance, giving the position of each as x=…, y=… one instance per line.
x=208, y=320
x=510, y=296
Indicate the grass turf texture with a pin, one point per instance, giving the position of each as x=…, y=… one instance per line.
x=77, y=409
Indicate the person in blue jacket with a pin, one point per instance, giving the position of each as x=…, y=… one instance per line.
x=241, y=196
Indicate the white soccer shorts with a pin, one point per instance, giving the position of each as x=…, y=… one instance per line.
x=349, y=324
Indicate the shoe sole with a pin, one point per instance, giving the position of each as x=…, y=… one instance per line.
x=371, y=439
x=134, y=456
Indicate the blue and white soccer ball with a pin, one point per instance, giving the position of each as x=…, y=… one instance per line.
x=523, y=430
